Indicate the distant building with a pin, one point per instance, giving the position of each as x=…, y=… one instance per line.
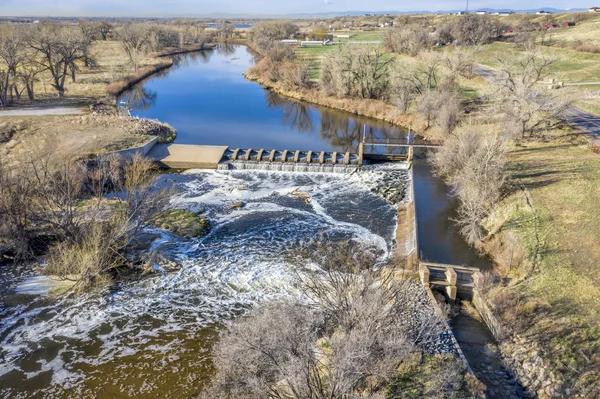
x=594, y=9
x=567, y=24
x=460, y=13
x=481, y=12
x=308, y=43
x=504, y=13
x=289, y=41
x=542, y=12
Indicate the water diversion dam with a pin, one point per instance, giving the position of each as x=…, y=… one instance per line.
x=153, y=337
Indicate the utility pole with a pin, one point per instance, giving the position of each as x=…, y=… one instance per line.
x=467, y=9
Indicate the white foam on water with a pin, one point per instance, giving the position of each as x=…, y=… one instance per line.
x=241, y=263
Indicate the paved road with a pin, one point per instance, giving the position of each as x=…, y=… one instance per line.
x=588, y=123
x=41, y=111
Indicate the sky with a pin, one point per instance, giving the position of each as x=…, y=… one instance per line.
x=169, y=8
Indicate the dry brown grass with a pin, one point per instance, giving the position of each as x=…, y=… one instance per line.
x=78, y=136
x=588, y=49
x=545, y=238
x=119, y=86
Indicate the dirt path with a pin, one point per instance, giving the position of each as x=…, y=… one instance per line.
x=42, y=111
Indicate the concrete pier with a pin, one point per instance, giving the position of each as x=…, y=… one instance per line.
x=184, y=156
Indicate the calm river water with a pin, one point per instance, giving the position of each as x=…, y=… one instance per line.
x=152, y=338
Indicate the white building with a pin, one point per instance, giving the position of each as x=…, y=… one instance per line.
x=312, y=43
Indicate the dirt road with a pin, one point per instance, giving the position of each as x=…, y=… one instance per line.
x=41, y=111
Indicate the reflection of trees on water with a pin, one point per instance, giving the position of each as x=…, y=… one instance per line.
x=341, y=132
x=140, y=98
x=295, y=114
x=344, y=133
x=226, y=49
x=185, y=60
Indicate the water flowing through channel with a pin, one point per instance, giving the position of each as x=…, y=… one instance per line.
x=153, y=337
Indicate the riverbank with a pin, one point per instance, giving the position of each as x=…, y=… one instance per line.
x=118, y=87
x=375, y=109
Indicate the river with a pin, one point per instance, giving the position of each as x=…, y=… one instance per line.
x=152, y=338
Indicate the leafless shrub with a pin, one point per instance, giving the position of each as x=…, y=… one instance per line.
x=15, y=214
x=406, y=39
x=440, y=106
x=472, y=29
x=65, y=200
x=359, y=328
x=461, y=61
x=296, y=75
x=588, y=49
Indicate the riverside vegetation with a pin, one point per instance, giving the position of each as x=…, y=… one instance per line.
x=503, y=141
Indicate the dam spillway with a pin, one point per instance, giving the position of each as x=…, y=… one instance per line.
x=181, y=156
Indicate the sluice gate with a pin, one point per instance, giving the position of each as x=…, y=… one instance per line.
x=290, y=161
x=286, y=156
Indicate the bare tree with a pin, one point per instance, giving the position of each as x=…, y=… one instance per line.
x=12, y=57
x=357, y=71
x=28, y=73
x=88, y=33
x=226, y=30
x=472, y=29
x=472, y=161
x=59, y=49
x=135, y=39
x=104, y=28
x=273, y=30
x=408, y=39
x=521, y=92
